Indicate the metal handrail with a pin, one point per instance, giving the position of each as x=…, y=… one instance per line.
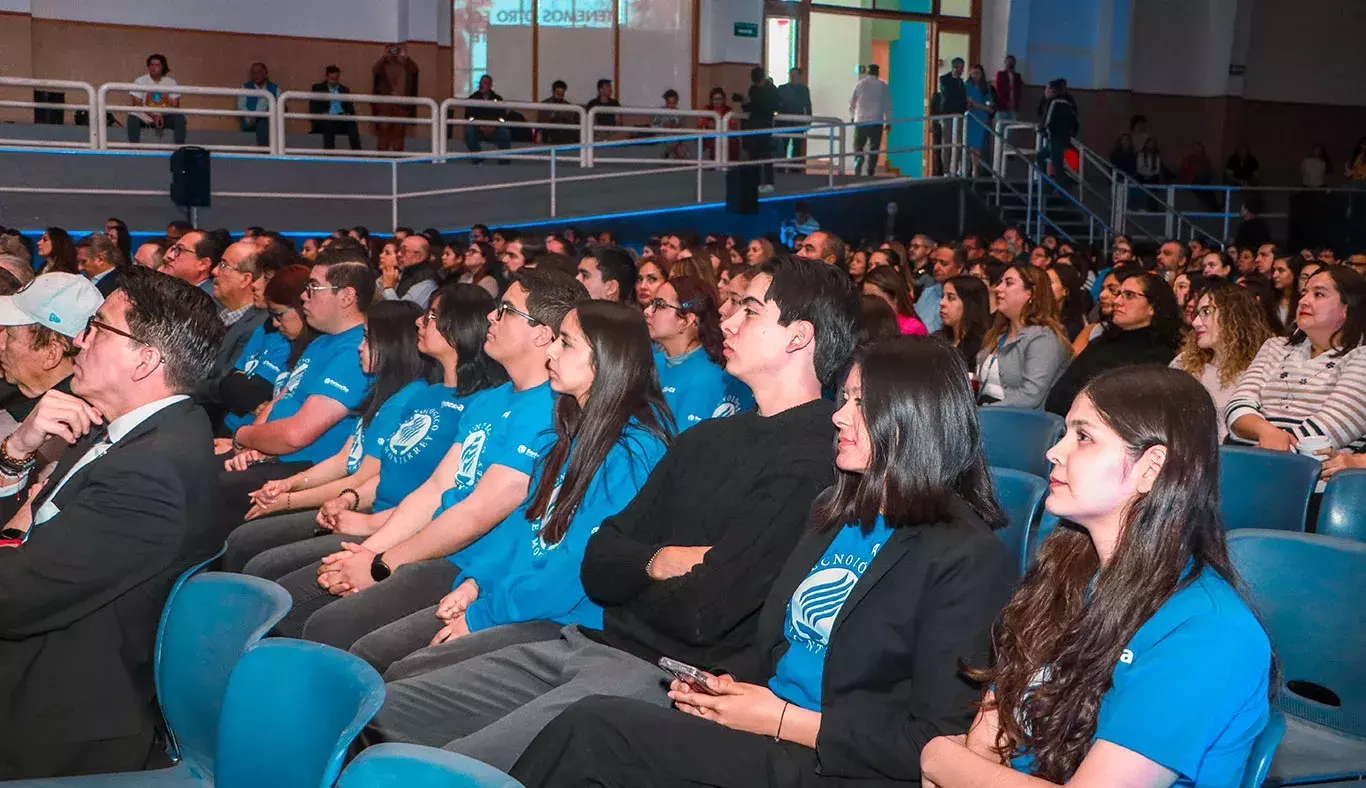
x=282, y=148
x=447, y=121
x=63, y=84
x=103, y=106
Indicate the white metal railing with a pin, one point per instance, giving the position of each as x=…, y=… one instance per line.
x=54, y=84
x=432, y=121
x=103, y=106
x=449, y=121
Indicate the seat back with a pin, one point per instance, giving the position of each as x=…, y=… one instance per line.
x=1342, y=513
x=1307, y=589
x=1263, y=751
x=1265, y=489
x=1021, y=495
x=211, y=619
x=173, y=748
x=291, y=710
x=1017, y=438
x=413, y=766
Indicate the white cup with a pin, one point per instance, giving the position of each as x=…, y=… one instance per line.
x=1309, y=446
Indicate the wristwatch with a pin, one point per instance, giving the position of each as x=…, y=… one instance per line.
x=380, y=571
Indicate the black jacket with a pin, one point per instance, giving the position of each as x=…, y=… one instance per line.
x=234, y=341
x=109, y=283
x=953, y=95
x=80, y=601
x=1111, y=350
x=892, y=678
x=319, y=107
x=764, y=102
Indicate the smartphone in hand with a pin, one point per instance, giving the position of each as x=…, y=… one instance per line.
x=688, y=674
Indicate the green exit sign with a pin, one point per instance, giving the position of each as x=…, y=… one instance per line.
x=746, y=30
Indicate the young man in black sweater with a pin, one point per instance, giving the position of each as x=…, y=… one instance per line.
x=681, y=572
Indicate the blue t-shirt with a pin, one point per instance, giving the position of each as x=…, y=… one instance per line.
x=542, y=580
x=813, y=608
x=696, y=388
x=264, y=356
x=369, y=441
x=501, y=426
x=418, y=442
x=1190, y=690
x=329, y=367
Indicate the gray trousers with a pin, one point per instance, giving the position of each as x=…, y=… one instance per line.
x=399, y=650
x=251, y=539
x=491, y=705
x=341, y=621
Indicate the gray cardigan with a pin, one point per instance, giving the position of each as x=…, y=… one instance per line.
x=1029, y=365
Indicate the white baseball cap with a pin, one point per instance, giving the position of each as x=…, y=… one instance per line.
x=61, y=302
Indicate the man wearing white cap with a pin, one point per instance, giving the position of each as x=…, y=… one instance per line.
x=37, y=343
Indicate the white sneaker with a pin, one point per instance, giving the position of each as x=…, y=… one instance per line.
x=767, y=188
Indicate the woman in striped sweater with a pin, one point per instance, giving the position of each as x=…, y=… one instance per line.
x=1313, y=383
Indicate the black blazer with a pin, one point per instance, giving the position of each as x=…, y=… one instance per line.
x=80, y=601
x=892, y=679
x=316, y=107
x=109, y=283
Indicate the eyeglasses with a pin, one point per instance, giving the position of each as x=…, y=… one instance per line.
x=660, y=303
x=504, y=307
x=317, y=287
x=92, y=324
x=279, y=313
x=174, y=252
x=1113, y=290
x=1130, y=295
x=1206, y=311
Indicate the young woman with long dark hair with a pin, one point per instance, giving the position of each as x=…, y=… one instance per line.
x=304, y=516
x=965, y=311
x=611, y=428
x=1071, y=297
x=1285, y=278
x=886, y=283
x=1128, y=657
x=58, y=252
x=685, y=325
x=649, y=278
x=856, y=664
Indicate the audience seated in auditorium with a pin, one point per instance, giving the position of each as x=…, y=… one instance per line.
x=909, y=570
x=314, y=413
x=1025, y=350
x=128, y=508
x=1129, y=601
x=608, y=273
x=612, y=427
x=262, y=367
x=1228, y=330
x=694, y=599
x=650, y=276
x=153, y=92
x=418, y=274
x=1145, y=329
x=193, y=258
x=1314, y=382
x=889, y=285
x=946, y=263
x=58, y=252
x=99, y=259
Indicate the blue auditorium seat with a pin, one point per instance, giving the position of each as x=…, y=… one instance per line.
x=1021, y=495
x=1263, y=750
x=1265, y=489
x=1017, y=438
x=413, y=766
x=1343, y=510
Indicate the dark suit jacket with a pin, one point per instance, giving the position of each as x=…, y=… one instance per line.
x=234, y=340
x=109, y=283
x=320, y=107
x=80, y=601
x=924, y=606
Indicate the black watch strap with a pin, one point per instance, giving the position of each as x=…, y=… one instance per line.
x=380, y=571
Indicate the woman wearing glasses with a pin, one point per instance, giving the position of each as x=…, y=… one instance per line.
x=399, y=448
x=1145, y=328
x=270, y=351
x=686, y=328
x=1228, y=330
x=611, y=428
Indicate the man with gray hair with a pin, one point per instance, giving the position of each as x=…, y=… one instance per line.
x=18, y=268
x=99, y=260
x=234, y=280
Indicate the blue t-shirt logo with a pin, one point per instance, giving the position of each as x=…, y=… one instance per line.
x=470, y=449
x=730, y=405
x=357, y=451
x=538, y=545
x=412, y=434
x=295, y=377
x=817, y=602
x=251, y=365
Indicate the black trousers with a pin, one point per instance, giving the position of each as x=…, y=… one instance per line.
x=624, y=743
x=871, y=138
x=331, y=128
x=760, y=147
x=235, y=487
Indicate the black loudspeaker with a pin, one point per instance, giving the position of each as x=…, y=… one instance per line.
x=742, y=189
x=190, y=168
x=49, y=115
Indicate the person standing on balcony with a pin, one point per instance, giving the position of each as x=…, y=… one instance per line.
x=1009, y=90
x=871, y=108
x=762, y=105
x=258, y=79
x=795, y=99
x=154, y=93
x=336, y=110
x=953, y=100
x=395, y=75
